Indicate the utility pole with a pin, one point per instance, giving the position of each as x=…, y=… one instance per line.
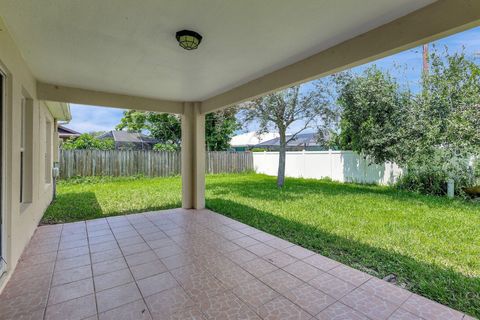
x=425, y=59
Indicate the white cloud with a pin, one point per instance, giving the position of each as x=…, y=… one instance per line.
x=93, y=118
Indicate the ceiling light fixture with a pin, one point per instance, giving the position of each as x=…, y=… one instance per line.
x=188, y=40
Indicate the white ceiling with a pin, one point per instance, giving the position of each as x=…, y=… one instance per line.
x=129, y=46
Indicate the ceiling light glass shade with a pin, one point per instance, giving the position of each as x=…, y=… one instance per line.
x=188, y=40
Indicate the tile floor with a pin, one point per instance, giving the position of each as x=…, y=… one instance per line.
x=186, y=264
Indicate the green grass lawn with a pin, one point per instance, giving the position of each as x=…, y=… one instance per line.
x=432, y=244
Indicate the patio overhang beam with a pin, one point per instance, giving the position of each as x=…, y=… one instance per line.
x=440, y=19
x=51, y=92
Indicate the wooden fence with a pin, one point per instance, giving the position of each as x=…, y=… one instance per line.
x=149, y=163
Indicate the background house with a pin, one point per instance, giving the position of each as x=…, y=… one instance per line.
x=65, y=133
x=303, y=141
x=130, y=140
x=246, y=141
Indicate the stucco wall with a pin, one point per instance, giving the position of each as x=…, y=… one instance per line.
x=20, y=220
x=343, y=166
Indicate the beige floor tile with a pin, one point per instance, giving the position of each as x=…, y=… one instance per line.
x=371, y=306
x=428, y=309
x=261, y=249
x=255, y=293
x=156, y=283
x=321, y=262
x=281, y=281
x=141, y=258
x=341, y=312
x=225, y=306
x=118, y=296
x=259, y=267
x=402, y=314
x=136, y=310
x=298, y=252
x=70, y=291
x=71, y=275
x=331, y=285
x=309, y=299
x=112, y=279
x=282, y=308
x=76, y=309
x=168, y=302
x=385, y=290
x=148, y=269
x=109, y=266
x=303, y=270
x=351, y=275
x=280, y=259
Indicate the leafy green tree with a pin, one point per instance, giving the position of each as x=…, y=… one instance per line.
x=374, y=114
x=220, y=126
x=88, y=141
x=162, y=126
x=281, y=110
x=433, y=134
x=444, y=124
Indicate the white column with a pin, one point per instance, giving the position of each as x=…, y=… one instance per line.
x=193, y=157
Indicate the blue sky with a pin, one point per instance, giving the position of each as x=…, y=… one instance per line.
x=91, y=118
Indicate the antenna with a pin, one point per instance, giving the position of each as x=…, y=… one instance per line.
x=425, y=59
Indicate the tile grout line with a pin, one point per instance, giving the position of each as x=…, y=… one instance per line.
x=128, y=267
x=91, y=267
x=168, y=270
x=53, y=272
x=195, y=303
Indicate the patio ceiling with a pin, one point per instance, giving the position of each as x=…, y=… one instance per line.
x=249, y=48
x=129, y=47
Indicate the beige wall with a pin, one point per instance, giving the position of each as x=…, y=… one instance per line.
x=20, y=220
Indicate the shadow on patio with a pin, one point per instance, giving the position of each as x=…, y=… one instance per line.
x=440, y=284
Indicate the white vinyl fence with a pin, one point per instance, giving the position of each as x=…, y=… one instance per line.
x=343, y=166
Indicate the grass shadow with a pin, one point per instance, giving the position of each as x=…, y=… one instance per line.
x=71, y=207
x=79, y=206
x=443, y=285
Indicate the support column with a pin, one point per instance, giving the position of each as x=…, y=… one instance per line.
x=193, y=156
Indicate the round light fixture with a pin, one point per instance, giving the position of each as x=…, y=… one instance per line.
x=188, y=40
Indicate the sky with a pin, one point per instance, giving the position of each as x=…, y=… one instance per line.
x=406, y=66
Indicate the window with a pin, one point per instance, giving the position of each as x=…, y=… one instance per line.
x=26, y=145
x=48, y=151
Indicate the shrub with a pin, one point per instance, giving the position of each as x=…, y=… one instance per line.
x=88, y=141
x=429, y=175
x=166, y=147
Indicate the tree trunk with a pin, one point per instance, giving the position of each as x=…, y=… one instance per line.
x=281, y=160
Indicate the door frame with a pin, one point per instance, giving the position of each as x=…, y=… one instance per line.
x=3, y=219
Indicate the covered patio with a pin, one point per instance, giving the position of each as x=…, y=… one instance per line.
x=192, y=264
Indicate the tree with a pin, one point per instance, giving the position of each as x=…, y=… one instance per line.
x=88, y=141
x=281, y=110
x=164, y=127
x=433, y=134
x=219, y=127
x=445, y=122
x=374, y=114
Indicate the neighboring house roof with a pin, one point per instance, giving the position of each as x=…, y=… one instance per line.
x=65, y=132
x=129, y=137
x=303, y=139
x=251, y=138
